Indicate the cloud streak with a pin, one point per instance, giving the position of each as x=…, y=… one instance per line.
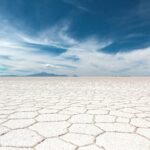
x=78, y=5
x=24, y=54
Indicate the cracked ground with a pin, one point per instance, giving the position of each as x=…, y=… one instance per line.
x=75, y=113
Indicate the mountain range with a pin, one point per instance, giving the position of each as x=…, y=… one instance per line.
x=41, y=74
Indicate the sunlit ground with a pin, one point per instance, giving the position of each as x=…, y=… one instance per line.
x=75, y=113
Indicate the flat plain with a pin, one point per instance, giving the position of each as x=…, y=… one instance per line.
x=82, y=113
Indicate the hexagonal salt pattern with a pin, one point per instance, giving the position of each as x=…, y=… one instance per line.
x=115, y=141
x=55, y=144
x=75, y=113
x=20, y=138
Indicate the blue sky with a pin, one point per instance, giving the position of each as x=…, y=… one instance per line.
x=75, y=37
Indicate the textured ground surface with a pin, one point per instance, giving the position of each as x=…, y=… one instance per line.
x=75, y=113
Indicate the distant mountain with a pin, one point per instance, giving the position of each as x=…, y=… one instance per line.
x=8, y=76
x=45, y=74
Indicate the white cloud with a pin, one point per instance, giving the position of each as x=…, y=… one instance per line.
x=92, y=60
x=49, y=66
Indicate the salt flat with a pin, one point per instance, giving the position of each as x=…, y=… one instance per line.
x=75, y=113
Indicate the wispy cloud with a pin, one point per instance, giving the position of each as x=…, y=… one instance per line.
x=81, y=57
x=134, y=18
x=51, y=66
x=78, y=5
